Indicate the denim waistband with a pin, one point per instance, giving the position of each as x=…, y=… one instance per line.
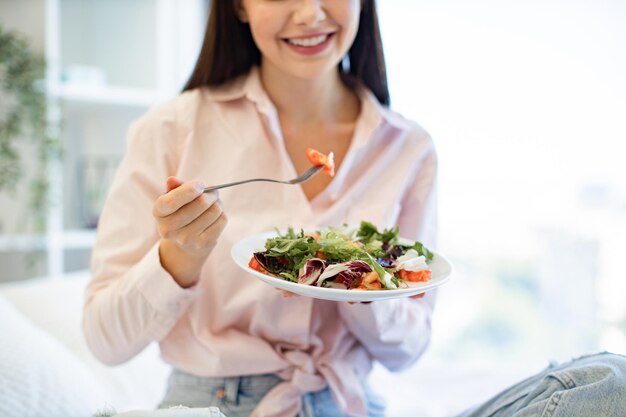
x=228, y=388
x=236, y=396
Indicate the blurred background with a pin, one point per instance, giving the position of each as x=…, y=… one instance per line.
x=526, y=102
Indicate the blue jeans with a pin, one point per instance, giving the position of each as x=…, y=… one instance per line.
x=590, y=386
x=238, y=396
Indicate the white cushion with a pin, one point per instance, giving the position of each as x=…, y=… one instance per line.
x=38, y=375
x=55, y=305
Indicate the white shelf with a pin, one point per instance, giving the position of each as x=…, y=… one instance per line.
x=71, y=239
x=21, y=243
x=99, y=78
x=111, y=95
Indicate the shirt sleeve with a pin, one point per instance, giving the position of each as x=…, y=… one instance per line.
x=397, y=332
x=131, y=300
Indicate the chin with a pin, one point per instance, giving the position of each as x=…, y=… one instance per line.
x=312, y=72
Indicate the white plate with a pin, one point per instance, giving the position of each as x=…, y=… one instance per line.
x=243, y=250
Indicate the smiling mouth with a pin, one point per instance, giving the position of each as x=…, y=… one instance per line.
x=309, y=42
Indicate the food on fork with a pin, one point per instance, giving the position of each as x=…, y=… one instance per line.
x=346, y=258
x=317, y=158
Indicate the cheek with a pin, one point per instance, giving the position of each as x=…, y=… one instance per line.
x=349, y=20
x=263, y=32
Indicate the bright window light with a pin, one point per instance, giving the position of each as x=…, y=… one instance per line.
x=526, y=102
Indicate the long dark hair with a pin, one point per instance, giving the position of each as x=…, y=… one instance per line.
x=229, y=50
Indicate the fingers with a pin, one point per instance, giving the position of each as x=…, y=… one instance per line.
x=173, y=182
x=205, y=228
x=420, y=295
x=188, y=217
x=214, y=230
x=194, y=216
x=178, y=195
x=284, y=293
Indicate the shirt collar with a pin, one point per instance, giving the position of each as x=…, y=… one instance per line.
x=245, y=86
x=249, y=86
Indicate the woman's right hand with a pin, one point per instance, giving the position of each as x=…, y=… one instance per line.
x=190, y=223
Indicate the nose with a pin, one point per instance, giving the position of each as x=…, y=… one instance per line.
x=309, y=12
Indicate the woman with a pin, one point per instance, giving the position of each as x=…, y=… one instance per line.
x=273, y=78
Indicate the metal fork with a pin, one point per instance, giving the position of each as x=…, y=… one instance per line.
x=306, y=175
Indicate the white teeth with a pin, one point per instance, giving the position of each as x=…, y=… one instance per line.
x=308, y=41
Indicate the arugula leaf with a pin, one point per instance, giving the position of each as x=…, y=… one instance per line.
x=296, y=248
x=368, y=232
x=338, y=248
x=390, y=235
x=375, y=248
x=422, y=250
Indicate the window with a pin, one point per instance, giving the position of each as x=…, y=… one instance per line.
x=526, y=103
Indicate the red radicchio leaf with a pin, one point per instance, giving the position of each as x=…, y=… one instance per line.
x=273, y=264
x=311, y=271
x=348, y=273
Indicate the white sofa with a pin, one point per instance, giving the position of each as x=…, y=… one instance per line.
x=47, y=370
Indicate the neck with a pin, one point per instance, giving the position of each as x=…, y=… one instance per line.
x=310, y=101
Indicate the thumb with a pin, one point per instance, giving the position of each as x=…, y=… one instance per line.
x=173, y=182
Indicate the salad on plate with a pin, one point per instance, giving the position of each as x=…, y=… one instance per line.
x=348, y=258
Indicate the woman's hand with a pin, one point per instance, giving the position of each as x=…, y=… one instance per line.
x=189, y=222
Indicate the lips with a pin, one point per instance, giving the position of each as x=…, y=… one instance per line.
x=310, y=41
x=309, y=45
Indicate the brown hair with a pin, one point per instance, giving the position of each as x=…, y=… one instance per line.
x=229, y=50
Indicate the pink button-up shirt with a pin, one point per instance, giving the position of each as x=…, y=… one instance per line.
x=230, y=323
